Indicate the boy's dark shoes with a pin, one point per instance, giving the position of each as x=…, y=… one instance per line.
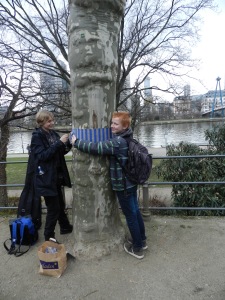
x=130, y=250
x=144, y=244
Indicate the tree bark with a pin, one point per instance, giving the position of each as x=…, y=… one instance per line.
x=93, y=39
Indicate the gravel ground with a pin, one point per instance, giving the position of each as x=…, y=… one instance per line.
x=184, y=261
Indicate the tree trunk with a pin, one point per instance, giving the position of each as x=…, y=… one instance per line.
x=93, y=38
x=4, y=140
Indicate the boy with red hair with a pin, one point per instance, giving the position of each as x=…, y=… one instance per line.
x=126, y=190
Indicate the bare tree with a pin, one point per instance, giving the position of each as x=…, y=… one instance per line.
x=42, y=27
x=32, y=34
x=17, y=102
x=156, y=38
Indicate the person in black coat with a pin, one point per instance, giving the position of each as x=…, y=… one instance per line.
x=48, y=167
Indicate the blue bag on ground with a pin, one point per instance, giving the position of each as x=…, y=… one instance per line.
x=23, y=233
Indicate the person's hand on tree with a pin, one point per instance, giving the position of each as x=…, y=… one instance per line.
x=73, y=140
x=64, y=138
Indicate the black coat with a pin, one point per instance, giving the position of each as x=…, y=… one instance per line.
x=51, y=159
x=30, y=202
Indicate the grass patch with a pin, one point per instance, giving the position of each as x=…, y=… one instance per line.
x=17, y=166
x=8, y=213
x=16, y=170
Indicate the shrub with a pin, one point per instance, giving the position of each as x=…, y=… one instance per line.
x=197, y=170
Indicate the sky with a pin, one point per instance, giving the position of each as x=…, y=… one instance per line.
x=211, y=48
x=211, y=51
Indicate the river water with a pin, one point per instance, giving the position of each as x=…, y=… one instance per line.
x=152, y=136
x=155, y=136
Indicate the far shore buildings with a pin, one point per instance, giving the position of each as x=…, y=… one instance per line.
x=210, y=104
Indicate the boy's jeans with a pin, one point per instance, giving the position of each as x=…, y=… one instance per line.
x=129, y=205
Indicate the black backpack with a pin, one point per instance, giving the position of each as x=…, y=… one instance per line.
x=139, y=164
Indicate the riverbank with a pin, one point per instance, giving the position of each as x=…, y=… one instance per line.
x=181, y=121
x=156, y=122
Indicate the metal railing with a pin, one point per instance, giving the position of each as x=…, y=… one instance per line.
x=145, y=187
x=22, y=185
x=146, y=208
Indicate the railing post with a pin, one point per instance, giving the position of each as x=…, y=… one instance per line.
x=145, y=193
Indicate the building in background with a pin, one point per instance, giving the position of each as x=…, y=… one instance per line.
x=55, y=89
x=187, y=91
x=147, y=89
x=47, y=78
x=210, y=104
x=125, y=95
x=182, y=104
x=147, y=102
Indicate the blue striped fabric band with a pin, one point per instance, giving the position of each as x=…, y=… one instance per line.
x=93, y=135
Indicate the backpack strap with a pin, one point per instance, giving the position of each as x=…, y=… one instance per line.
x=18, y=252
x=123, y=172
x=14, y=230
x=127, y=139
x=21, y=231
x=12, y=249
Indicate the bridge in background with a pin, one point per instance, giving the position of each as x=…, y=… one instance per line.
x=220, y=108
x=213, y=112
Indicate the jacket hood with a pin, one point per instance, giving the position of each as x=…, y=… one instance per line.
x=36, y=131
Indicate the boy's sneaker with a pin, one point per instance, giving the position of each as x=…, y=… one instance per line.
x=144, y=244
x=130, y=250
